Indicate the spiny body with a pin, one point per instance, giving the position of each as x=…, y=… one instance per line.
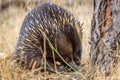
x=58, y=25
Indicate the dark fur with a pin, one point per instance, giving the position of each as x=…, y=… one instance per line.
x=59, y=26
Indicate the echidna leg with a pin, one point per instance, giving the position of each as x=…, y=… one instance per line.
x=76, y=44
x=72, y=65
x=77, y=56
x=55, y=67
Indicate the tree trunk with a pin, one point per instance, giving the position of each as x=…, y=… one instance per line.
x=105, y=34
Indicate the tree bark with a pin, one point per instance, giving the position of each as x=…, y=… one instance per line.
x=105, y=34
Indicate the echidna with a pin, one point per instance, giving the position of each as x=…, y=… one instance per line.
x=59, y=26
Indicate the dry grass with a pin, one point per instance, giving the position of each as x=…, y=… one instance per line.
x=10, y=23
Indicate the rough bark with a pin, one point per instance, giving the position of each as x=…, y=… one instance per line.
x=105, y=34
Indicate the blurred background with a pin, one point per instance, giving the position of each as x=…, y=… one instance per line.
x=13, y=12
